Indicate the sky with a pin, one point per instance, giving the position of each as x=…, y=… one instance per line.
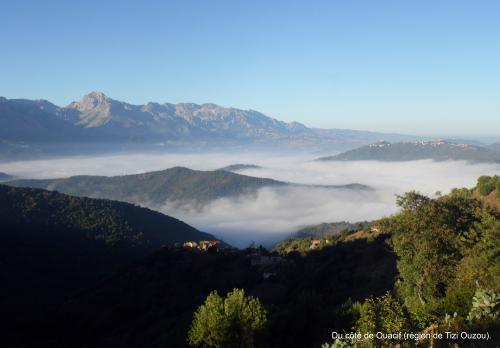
x=416, y=67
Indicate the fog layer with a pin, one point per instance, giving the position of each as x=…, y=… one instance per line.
x=273, y=213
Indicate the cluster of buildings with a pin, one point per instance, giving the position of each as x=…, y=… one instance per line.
x=201, y=245
x=268, y=263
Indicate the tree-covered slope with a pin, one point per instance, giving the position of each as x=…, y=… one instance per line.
x=329, y=229
x=156, y=188
x=434, y=150
x=151, y=305
x=91, y=219
x=434, y=257
x=52, y=244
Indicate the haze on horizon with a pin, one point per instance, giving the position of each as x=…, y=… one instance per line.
x=422, y=68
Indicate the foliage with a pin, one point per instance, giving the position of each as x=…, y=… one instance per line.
x=52, y=244
x=485, y=305
x=331, y=229
x=340, y=343
x=453, y=240
x=486, y=184
x=300, y=245
x=383, y=314
x=457, y=302
x=230, y=322
x=480, y=265
x=440, y=232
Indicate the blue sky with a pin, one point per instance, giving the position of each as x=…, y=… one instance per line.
x=420, y=67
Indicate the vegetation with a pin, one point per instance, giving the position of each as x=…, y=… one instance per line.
x=447, y=231
x=174, y=184
x=234, y=321
x=487, y=184
x=52, y=245
x=485, y=305
x=155, y=188
x=336, y=234
x=435, y=150
x=383, y=314
x=328, y=230
x=433, y=266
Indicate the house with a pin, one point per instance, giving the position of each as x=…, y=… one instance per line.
x=190, y=245
x=315, y=243
x=207, y=244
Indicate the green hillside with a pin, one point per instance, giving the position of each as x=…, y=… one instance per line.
x=434, y=150
x=175, y=184
x=91, y=219
x=52, y=244
x=155, y=188
x=329, y=229
x=407, y=273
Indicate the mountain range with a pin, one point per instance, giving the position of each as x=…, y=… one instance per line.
x=96, y=118
x=156, y=188
x=438, y=150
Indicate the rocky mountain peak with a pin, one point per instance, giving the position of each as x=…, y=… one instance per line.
x=91, y=101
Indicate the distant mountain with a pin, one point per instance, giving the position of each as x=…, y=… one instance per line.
x=495, y=146
x=436, y=150
x=52, y=244
x=329, y=229
x=5, y=177
x=240, y=166
x=156, y=188
x=98, y=118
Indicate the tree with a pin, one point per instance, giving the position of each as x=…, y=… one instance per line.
x=486, y=184
x=383, y=314
x=231, y=322
x=485, y=305
x=426, y=236
x=446, y=247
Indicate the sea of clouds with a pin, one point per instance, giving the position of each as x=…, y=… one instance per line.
x=273, y=213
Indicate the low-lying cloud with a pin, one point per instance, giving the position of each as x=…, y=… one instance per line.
x=275, y=212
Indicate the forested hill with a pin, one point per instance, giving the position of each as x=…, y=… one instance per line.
x=435, y=150
x=329, y=229
x=52, y=244
x=113, y=223
x=155, y=188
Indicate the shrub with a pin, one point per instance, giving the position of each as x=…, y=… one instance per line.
x=231, y=322
x=485, y=305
